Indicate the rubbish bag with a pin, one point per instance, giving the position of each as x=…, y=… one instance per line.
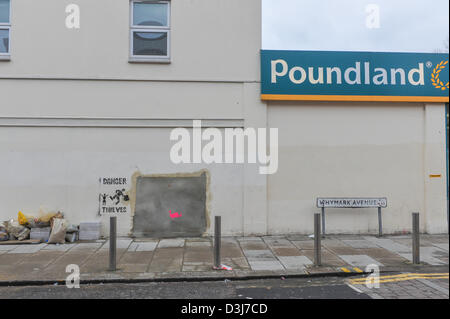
x=3, y=233
x=72, y=228
x=58, y=234
x=23, y=220
x=4, y=236
x=17, y=231
x=57, y=215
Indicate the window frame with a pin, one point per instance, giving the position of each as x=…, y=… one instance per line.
x=159, y=29
x=7, y=26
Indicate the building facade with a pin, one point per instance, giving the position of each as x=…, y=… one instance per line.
x=91, y=94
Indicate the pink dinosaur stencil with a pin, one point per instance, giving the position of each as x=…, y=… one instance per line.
x=174, y=215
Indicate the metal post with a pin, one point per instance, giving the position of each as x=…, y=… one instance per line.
x=217, y=239
x=317, y=241
x=112, y=242
x=380, y=224
x=415, y=238
x=323, y=222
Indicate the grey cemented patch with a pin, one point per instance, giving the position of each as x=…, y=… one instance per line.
x=359, y=260
x=170, y=206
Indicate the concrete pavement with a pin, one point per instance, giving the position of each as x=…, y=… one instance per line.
x=192, y=258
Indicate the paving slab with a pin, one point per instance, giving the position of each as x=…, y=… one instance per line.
x=443, y=246
x=304, y=244
x=429, y=255
x=198, y=244
x=236, y=263
x=132, y=268
x=148, y=246
x=198, y=254
x=171, y=243
x=278, y=243
x=360, y=260
x=265, y=265
x=333, y=243
x=167, y=260
x=8, y=247
x=258, y=254
x=294, y=262
x=253, y=245
x=389, y=245
x=244, y=239
x=201, y=266
x=27, y=249
x=286, y=251
x=359, y=243
x=87, y=246
x=140, y=257
x=344, y=250
x=120, y=243
x=65, y=247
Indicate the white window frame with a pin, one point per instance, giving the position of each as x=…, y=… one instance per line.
x=7, y=26
x=140, y=28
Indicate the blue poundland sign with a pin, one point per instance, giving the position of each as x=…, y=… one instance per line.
x=354, y=76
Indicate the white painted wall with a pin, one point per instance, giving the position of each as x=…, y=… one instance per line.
x=211, y=40
x=358, y=150
x=60, y=81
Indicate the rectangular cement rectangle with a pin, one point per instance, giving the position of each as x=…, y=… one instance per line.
x=160, y=198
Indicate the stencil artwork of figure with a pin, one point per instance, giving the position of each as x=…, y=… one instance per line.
x=104, y=196
x=119, y=193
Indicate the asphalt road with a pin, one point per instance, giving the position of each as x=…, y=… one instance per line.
x=304, y=288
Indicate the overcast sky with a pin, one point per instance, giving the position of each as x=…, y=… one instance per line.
x=404, y=25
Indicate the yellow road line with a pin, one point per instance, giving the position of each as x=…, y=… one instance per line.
x=411, y=275
x=401, y=277
x=345, y=269
x=357, y=269
x=374, y=280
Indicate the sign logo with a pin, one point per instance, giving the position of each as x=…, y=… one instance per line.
x=437, y=83
x=354, y=76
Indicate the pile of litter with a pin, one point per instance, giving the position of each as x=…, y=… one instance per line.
x=51, y=228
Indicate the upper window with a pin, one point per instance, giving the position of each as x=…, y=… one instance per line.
x=5, y=25
x=150, y=31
